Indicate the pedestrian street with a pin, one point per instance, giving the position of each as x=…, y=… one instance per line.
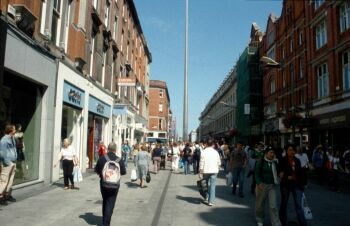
x=169, y=199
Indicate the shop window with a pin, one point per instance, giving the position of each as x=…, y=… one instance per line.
x=22, y=105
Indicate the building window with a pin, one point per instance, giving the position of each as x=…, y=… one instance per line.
x=160, y=107
x=160, y=124
x=301, y=67
x=300, y=38
x=95, y=4
x=302, y=97
x=107, y=6
x=270, y=38
x=115, y=29
x=344, y=16
x=346, y=70
x=272, y=86
x=318, y=3
x=273, y=107
x=321, y=34
x=161, y=93
x=271, y=53
x=43, y=17
x=56, y=14
x=322, y=81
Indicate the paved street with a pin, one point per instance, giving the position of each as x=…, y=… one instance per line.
x=170, y=199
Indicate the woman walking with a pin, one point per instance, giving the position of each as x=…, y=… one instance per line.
x=142, y=162
x=292, y=181
x=69, y=160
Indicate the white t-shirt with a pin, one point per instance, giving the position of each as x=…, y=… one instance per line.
x=210, y=161
x=67, y=153
x=176, y=151
x=304, y=160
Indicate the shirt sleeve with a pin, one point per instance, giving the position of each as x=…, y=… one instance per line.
x=201, y=163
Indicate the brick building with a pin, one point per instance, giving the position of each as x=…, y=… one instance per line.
x=307, y=96
x=159, y=111
x=72, y=69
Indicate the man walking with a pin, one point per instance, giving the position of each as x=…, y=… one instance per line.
x=208, y=169
x=238, y=162
x=109, y=193
x=8, y=157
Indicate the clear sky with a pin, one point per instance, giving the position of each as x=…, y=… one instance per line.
x=219, y=31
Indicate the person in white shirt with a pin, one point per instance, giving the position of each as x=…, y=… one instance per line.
x=175, y=158
x=208, y=169
x=69, y=160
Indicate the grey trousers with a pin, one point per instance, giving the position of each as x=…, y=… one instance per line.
x=269, y=191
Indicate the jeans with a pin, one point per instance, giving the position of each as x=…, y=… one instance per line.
x=109, y=197
x=187, y=167
x=297, y=196
x=68, y=166
x=211, y=182
x=238, y=177
x=195, y=166
x=125, y=158
x=269, y=191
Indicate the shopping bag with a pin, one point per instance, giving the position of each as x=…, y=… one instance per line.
x=148, y=177
x=229, y=179
x=133, y=176
x=77, y=175
x=203, y=188
x=306, y=208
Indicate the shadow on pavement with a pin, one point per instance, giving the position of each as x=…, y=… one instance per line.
x=91, y=219
x=192, y=200
x=228, y=216
x=132, y=184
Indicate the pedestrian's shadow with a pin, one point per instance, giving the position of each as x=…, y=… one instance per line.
x=132, y=184
x=192, y=200
x=91, y=219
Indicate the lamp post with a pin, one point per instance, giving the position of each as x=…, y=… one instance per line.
x=273, y=64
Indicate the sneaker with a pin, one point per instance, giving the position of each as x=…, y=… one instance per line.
x=210, y=204
x=11, y=199
x=66, y=188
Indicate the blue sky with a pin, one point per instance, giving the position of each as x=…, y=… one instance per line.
x=218, y=33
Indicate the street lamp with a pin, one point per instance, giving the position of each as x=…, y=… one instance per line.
x=273, y=64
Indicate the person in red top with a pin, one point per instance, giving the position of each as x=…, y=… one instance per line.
x=292, y=182
x=102, y=150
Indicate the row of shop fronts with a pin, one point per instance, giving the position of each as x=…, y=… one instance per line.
x=53, y=101
x=327, y=129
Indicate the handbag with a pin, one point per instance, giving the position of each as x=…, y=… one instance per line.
x=306, y=208
x=229, y=179
x=77, y=175
x=203, y=187
x=133, y=175
x=148, y=177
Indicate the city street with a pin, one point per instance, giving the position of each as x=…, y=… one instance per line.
x=170, y=199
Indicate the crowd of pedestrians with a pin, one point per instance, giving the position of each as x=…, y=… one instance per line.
x=274, y=171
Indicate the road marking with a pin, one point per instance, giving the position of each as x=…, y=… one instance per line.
x=161, y=202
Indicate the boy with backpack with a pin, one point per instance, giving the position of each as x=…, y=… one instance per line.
x=109, y=167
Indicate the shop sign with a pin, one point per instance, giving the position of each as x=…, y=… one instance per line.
x=119, y=110
x=98, y=107
x=73, y=95
x=333, y=120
